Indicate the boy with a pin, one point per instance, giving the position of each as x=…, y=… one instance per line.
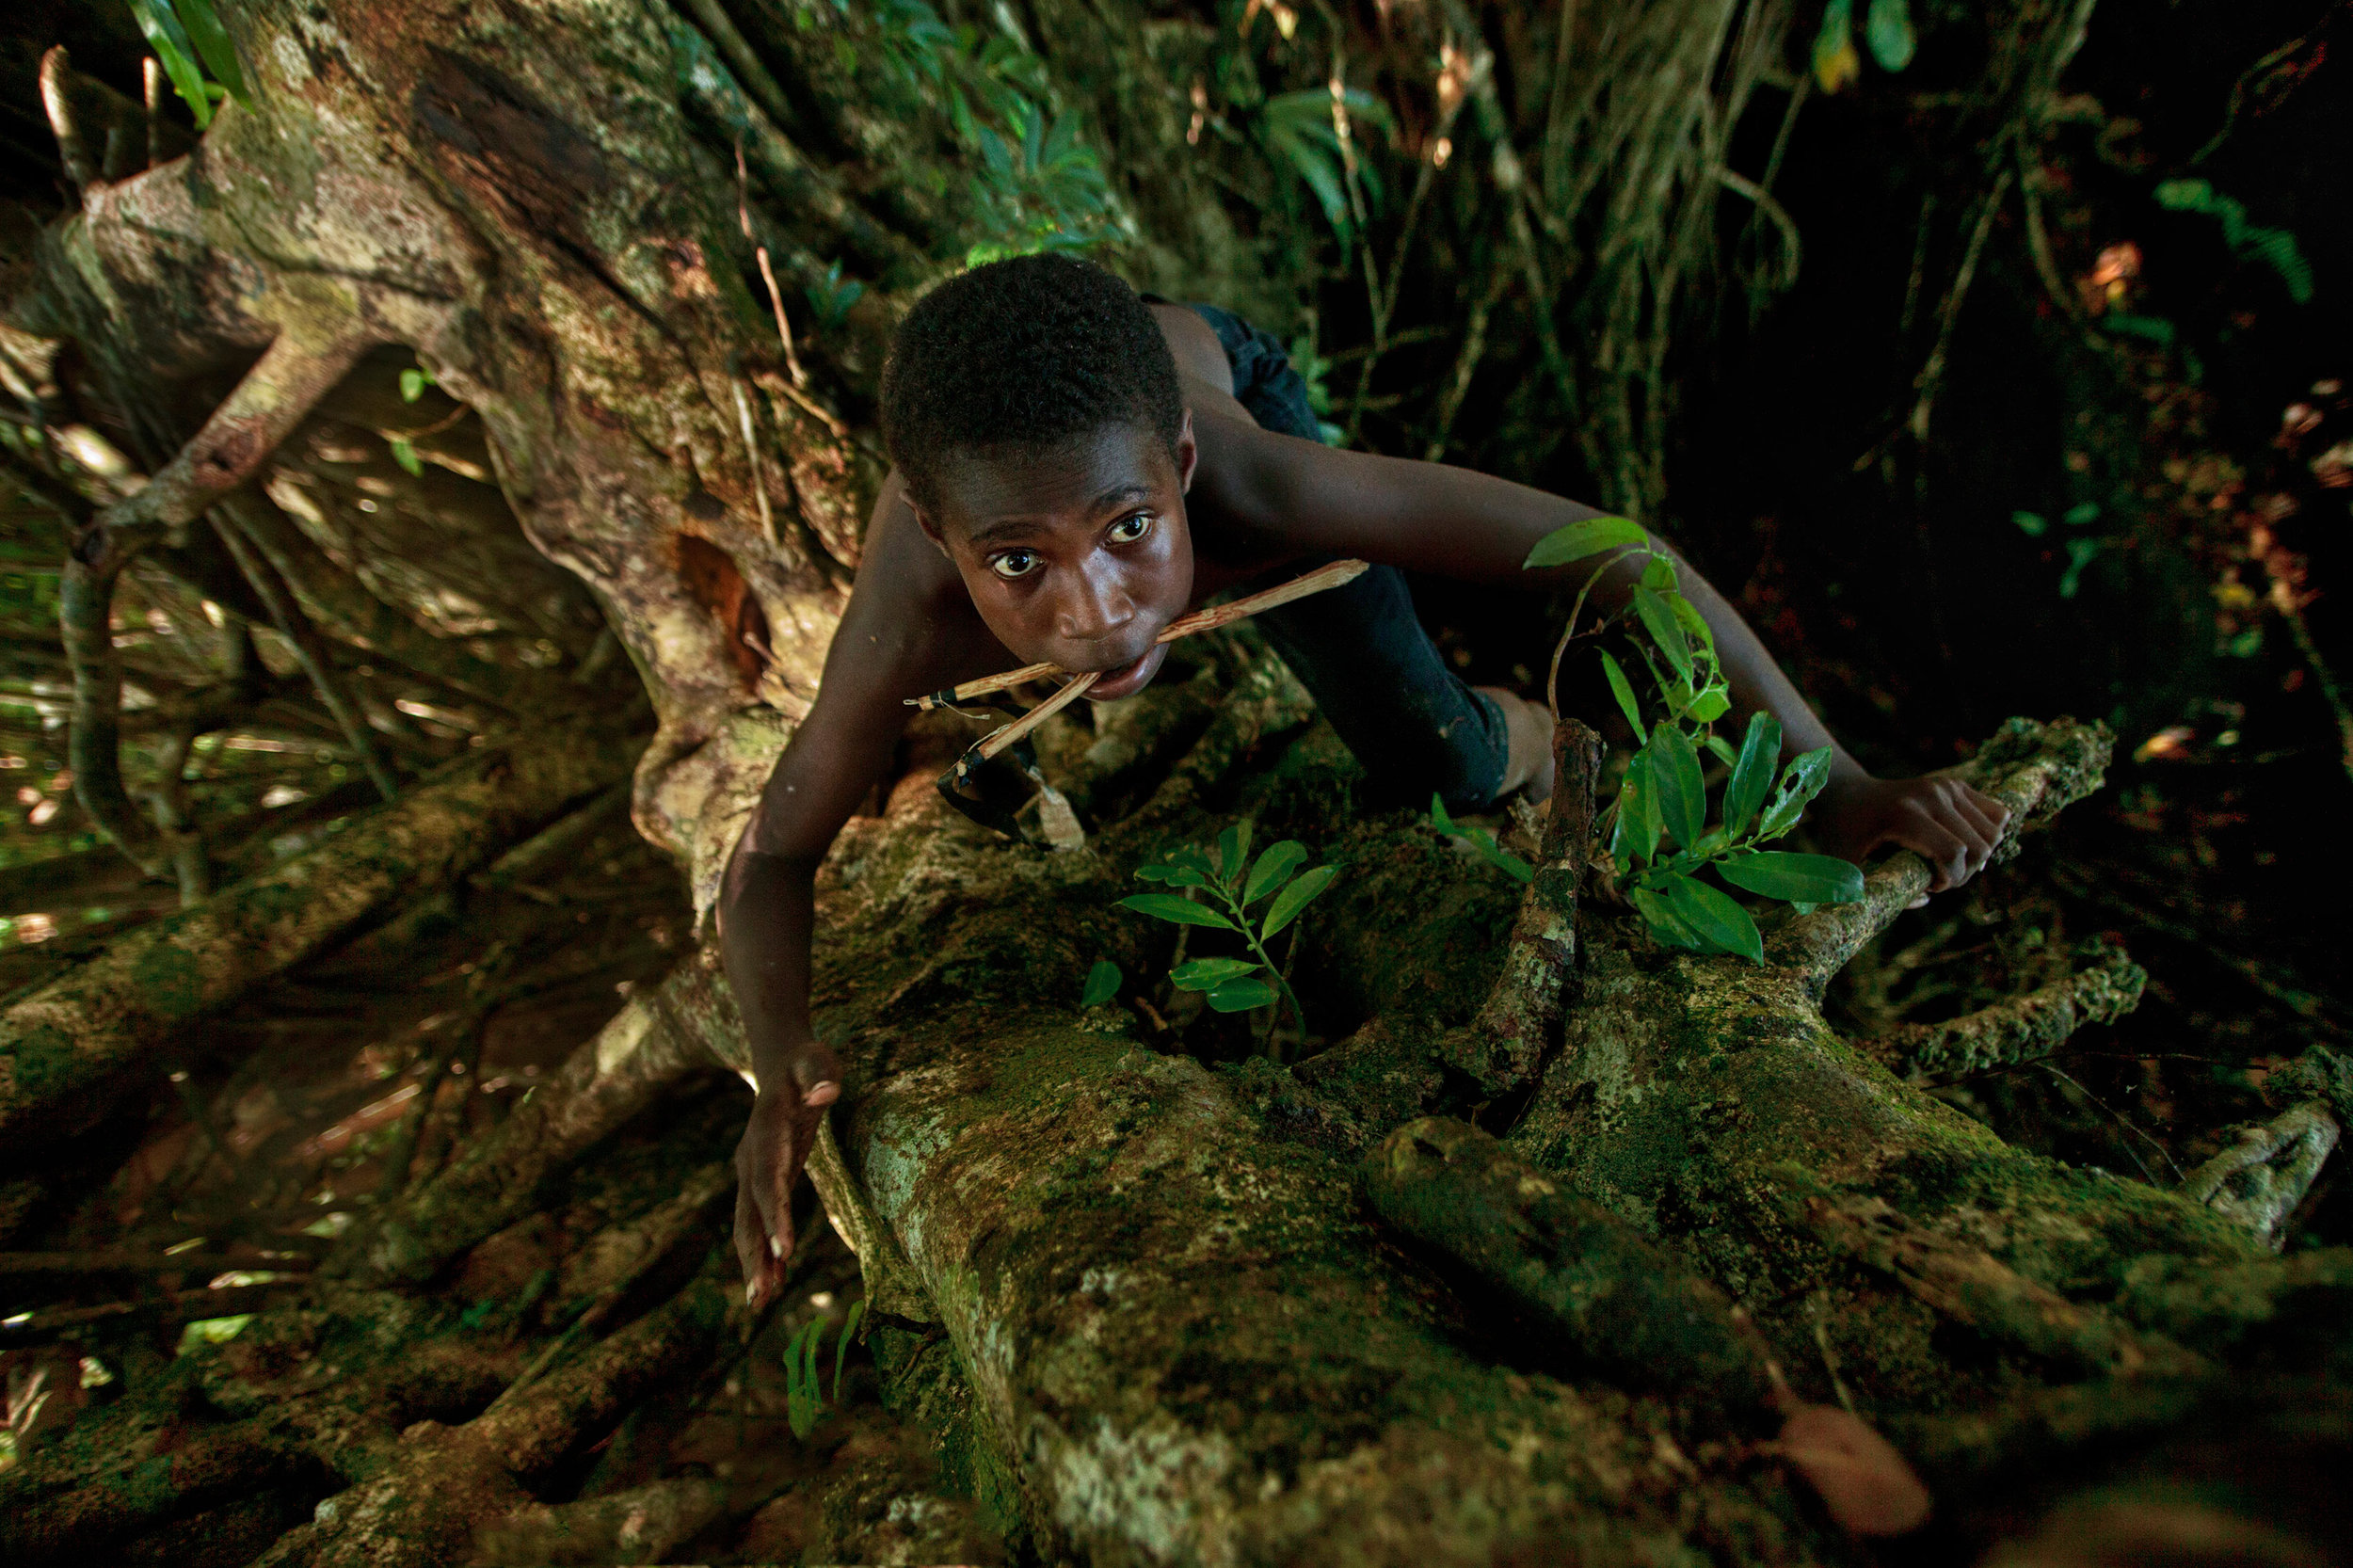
x=1077, y=466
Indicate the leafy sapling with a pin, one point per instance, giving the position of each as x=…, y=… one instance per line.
x=804, y=1396
x=1659, y=836
x=1233, y=883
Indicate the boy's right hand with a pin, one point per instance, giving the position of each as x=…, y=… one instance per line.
x=776, y=1144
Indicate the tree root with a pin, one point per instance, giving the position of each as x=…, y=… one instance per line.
x=1968, y=1285
x=310, y=648
x=2262, y=1177
x=65, y=1049
x=625, y=1256
x=659, y=1040
x=1521, y=1020
x=348, y=1397
x=643, y=1524
x=2020, y=1030
x=1393, y=1069
x=2035, y=769
x=1625, y=1308
x=1621, y=1303
x=420, y=1505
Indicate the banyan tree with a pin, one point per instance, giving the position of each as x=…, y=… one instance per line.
x=483, y=399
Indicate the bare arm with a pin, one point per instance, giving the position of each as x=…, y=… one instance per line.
x=894, y=641
x=1476, y=528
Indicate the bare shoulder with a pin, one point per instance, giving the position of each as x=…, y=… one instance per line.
x=910, y=620
x=1199, y=355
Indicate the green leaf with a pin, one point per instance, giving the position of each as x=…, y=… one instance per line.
x=1659, y=623
x=1669, y=928
x=2155, y=329
x=1796, y=878
x=1719, y=749
x=2033, y=524
x=1187, y=866
x=1275, y=864
x=1659, y=575
x=411, y=384
x=1292, y=900
x=1711, y=705
x=1176, y=877
x=1638, y=808
x=406, y=455
x=1483, y=843
x=1208, y=974
x=1372, y=111
x=1694, y=624
x=1590, y=536
x=2079, y=554
x=211, y=1331
x=1682, y=792
x=1312, y=165
x=1753, y=775
x=2194, y=195
x=1103, y=983
x=1887, y=27
x=1712, y=912
x=2078, y=516
x=1622, y=690
x=170, y=40
x=1499, y=857
x=1233, y=854
x=211, y=45
x=842, y=1346
x=1801, y=781
x=1240, y=996
x=1833, y=46
x=1176, y=911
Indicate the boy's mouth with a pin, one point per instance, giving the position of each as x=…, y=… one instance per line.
x=1131, y=677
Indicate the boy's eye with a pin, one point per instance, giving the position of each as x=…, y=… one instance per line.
x=1014, y=563
x=1128, y=530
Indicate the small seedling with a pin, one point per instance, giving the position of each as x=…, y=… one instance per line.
x=1233, y=881
x=804, y=1400
x=1658, y=832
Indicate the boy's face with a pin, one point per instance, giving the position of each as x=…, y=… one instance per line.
x=1076, y=554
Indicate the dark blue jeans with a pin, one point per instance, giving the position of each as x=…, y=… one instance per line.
x=1360, y=650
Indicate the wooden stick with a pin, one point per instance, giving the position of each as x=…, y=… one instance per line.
x=997, y=740
x=1211, y=619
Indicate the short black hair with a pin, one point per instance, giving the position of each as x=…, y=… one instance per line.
x=1026, y=352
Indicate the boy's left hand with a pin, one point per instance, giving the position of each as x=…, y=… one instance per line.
x=1954, y=827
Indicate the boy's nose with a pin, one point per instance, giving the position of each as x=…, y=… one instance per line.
x=1094, y=612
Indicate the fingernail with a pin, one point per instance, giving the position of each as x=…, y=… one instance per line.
x=776, y=1248
x=750, y=1292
